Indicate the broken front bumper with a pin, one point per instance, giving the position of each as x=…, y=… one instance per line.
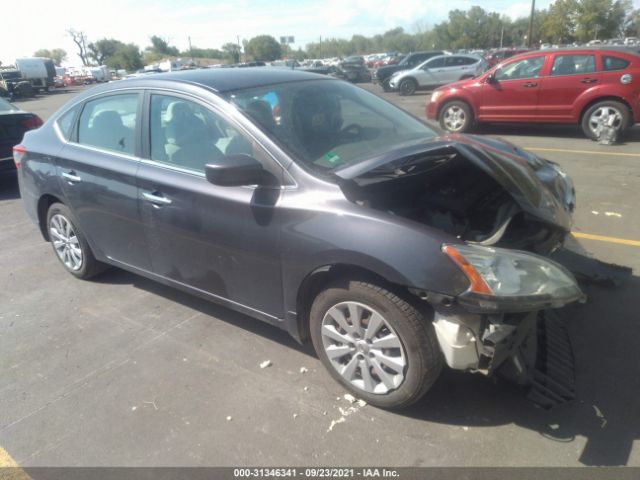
x=532, y=350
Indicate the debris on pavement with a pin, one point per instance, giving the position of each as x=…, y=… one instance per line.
x=265, y=364
x=613, y=214
x=600, y=416
x=554, y=426
x=304, y=369
x=349, y=398
x=335, y=422
x=295, y=415
x=229, y=418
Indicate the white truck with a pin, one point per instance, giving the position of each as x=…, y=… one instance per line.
x=39, y=71
x=100, y=74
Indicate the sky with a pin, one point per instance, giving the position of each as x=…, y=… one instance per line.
x=212, y=23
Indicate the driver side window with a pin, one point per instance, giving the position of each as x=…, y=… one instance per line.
x=521, y=69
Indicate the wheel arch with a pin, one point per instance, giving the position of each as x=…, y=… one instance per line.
x=44, y=202
x=456, y=98
x=605, y=98
x=322, y=276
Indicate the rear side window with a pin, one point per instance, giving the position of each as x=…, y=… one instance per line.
x=614, y=63
x=110, y=123
x=573, y=64
x=66, y=122
x=459, y=61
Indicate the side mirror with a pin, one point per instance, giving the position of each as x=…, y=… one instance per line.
x=235, y=171
x=491, y=78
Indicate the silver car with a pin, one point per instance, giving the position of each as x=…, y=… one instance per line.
x=437, y=71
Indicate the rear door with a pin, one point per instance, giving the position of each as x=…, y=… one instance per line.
x=571, y=75
x=513, y=94
x=97, y=169
x=219, y=241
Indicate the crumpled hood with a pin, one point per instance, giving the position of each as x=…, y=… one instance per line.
x=538, y=187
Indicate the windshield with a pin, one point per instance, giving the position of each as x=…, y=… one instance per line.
x=329, y=124
x=7, y=107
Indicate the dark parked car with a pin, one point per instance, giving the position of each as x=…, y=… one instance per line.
x=592, y=88
x=13, y=123
x=382, y=75
x=317, y=207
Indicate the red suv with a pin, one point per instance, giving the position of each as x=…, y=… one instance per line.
x=590, y=87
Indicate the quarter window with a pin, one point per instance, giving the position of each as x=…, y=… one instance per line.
x=573, y=64
x=110, y=123
x=520, y=69
x=614, y=63
x=66, y=122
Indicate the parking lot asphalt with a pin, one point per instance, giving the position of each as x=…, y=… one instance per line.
x=121, y=371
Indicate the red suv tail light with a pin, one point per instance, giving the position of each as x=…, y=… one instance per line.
x=18, y=154
x=32, y=122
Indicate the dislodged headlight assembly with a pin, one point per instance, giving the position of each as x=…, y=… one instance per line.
x=502, y=279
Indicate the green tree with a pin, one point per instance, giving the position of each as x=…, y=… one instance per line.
x=101, y=50
x=560, y=24
x=80, y=39
x=264, y=48
x=600, y=19
x=58, y=55
x=158, y=50
x=231, y=52
x=197, y=52
x=632, y=24
x=127, y=57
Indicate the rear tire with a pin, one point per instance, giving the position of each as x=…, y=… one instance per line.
x=456, y=117
x=69, y=243
x=391, y=356
x=600, y=112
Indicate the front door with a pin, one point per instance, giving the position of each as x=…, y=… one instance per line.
x=219, y=241
x=513, y=93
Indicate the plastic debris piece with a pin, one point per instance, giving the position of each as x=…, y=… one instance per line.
x=554, y=426
x=304, y=369
x=335, y=422
x=349, y=398
x=361, y=403
x=265, y=364
x=229, y=418
x=295, y=415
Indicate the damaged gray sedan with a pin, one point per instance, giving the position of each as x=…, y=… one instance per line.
x=318, y=207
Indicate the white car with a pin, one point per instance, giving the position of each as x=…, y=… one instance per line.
x=437, y=71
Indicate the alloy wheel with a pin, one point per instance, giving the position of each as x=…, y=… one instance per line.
x=363, y=348
x=65, y=242
x=605, y=116
x=454, y=118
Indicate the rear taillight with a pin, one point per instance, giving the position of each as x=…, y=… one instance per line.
x=18, y=154
x=32, y=122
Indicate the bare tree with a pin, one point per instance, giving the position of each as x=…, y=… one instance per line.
x=80, y=39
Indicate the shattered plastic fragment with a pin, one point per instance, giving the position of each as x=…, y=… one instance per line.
x=361, y=403
x=229, y=418
x=613, y=214
x=295, y=415
x=349, y=398
x=303, y=370
x=335, y=422
x=554, y=426
x=265, y=364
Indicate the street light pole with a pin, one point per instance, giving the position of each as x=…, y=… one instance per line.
x=533, y=11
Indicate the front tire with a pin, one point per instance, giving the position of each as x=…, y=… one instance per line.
x=456, y=117
x=69, y=243
x=408, y=86
x=602, y=112
x=374, y=343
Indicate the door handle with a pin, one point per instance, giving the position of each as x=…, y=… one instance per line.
x=156, y=199
x=530, y=85
x=589, y=80
x=71, y=177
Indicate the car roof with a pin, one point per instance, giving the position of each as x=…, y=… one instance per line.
x=226, y=79
x=590, y=49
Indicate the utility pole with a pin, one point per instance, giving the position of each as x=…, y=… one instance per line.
x=190, y=49
x=533, y=12
x=320, y=46
x=501, y=35
x=239, y=50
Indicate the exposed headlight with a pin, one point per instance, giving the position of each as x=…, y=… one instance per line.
x=510, y=274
